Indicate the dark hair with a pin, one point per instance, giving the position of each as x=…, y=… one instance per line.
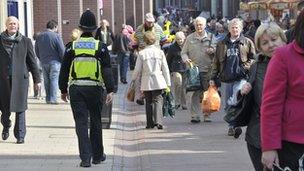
x=299, y=31
x=51, y=24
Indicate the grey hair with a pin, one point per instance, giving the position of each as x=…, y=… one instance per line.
x=11, y=18
x=180, y=34
x=235, y=21
x=202, y=19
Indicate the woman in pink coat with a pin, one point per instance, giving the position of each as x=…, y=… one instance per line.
x=282, y=110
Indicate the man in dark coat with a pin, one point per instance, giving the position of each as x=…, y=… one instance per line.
x=17, y=58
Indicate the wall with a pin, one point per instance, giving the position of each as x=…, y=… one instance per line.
x=43, y=12
x=66, y=12
x=70, y=14
x=3, y=14
x=131, y=12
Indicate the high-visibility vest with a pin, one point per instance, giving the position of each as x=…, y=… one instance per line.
x=85, y=68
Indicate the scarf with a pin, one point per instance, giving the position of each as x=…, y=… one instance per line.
x=8, y=44
x=9, y=41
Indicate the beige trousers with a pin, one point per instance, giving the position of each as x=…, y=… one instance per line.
x=178, y=88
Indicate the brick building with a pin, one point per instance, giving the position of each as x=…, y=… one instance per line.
x=34, y=14
x=130, y=12
x=68, y=12
x=65, y=12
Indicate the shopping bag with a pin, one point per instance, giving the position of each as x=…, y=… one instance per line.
x=193, y=82
x=241, y=112
x=131, y=92
x=168, y=105
x=211, y=101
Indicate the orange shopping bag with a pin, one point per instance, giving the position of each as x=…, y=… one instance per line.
x=211, y=101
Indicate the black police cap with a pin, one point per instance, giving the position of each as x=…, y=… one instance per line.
x=87, y=21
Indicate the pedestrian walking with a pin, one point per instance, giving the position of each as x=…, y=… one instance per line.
x=86, y=67
x=268, y=37
x=152, y=65
x=121, y=48
x=17, y=59
x=199, y=50
x=104, y=34
x=49, y=48
x=282, y=118
x=233, y=59
x=148, y=25
x=177, y=69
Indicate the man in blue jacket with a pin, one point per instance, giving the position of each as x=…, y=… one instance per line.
x=49, y=48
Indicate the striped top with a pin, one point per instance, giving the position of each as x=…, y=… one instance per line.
x=140, y=31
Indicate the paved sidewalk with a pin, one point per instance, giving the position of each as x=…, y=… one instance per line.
x=51, y=142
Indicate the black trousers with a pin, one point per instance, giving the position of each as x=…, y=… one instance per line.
x=255, y=156
x=290, y=154
x=87, y=101
x=154, y=106
x=19, y=128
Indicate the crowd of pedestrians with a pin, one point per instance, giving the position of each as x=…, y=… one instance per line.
x=248, y=58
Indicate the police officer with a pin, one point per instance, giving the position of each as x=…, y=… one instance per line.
x=85, y=69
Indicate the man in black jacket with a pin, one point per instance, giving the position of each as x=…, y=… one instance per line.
x=86, y=67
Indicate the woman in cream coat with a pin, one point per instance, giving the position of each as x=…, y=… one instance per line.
x=152, y=65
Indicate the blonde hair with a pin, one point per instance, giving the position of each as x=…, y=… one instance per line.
x=268, y=28
x=235, y=21
x=75, y=34
x=149, y=38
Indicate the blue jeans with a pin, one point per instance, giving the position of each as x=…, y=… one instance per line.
x=123, y=65
x=51, y=75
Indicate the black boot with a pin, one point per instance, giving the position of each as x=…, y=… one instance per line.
x=5, y=133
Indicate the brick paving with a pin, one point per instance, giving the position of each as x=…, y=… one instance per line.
x=51, y=142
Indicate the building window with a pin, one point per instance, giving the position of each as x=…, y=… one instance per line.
x=12, y=8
